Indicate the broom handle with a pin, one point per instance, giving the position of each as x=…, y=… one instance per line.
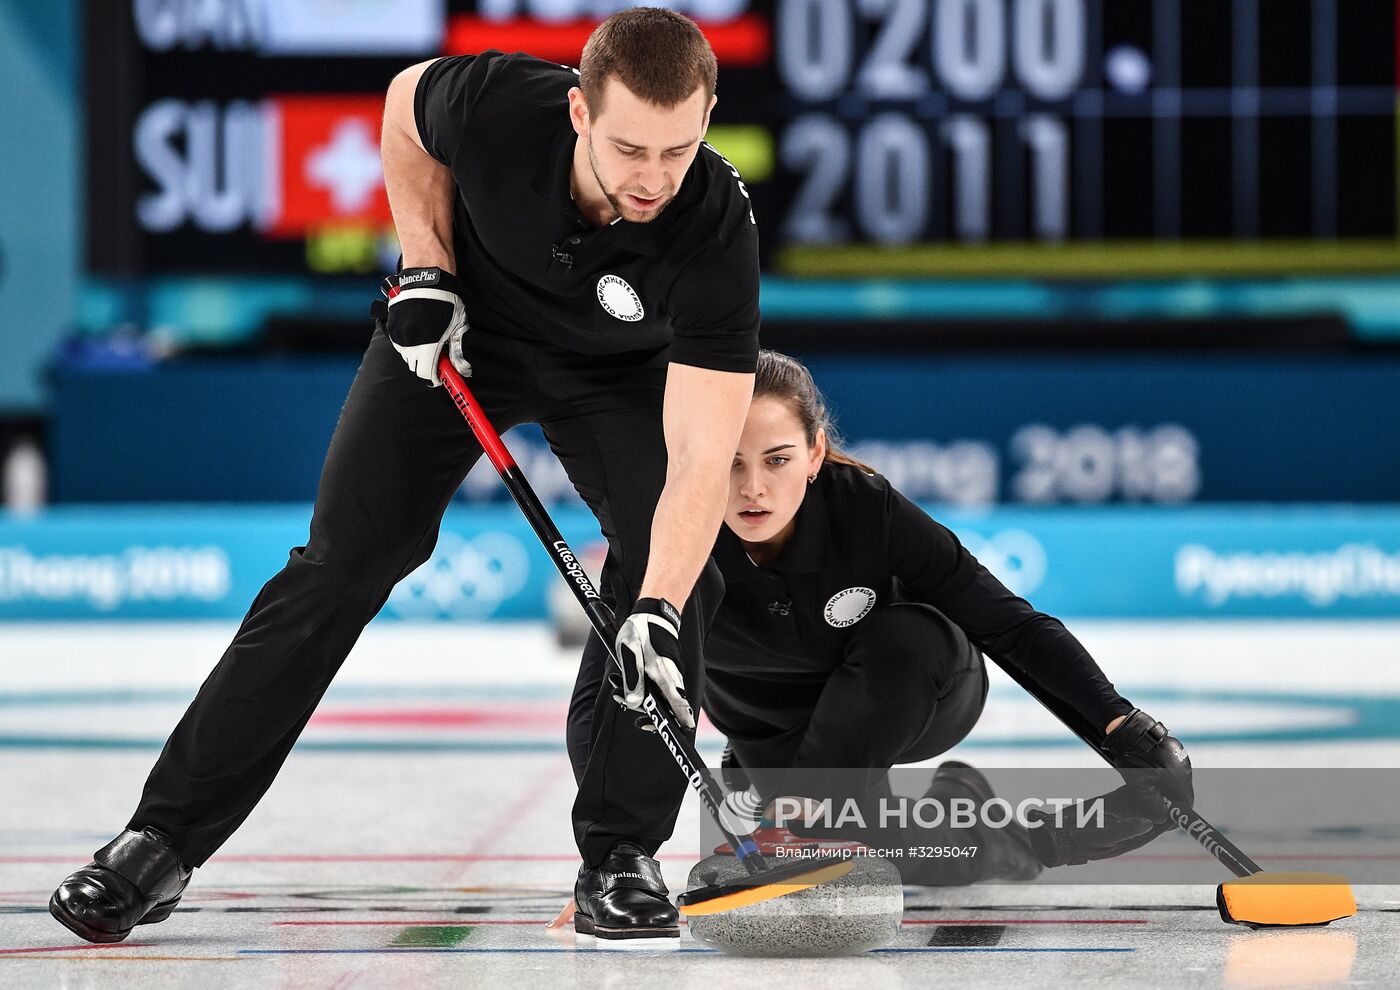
x=1186, y=818
x=599, y=614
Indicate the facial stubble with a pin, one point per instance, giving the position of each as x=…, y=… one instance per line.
x=615, y=201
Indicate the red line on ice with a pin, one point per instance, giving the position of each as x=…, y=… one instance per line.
x=73, y=948
x=535, y=716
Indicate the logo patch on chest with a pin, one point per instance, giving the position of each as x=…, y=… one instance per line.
x=619, y=299
x=848, y=607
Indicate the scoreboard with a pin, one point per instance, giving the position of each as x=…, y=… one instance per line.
x=1086, y=135
x=228, y=136
x=1029, y=138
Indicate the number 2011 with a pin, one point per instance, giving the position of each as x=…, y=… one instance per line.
x=890, y=166
x=971, y=46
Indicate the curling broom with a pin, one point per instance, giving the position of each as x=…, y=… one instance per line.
x=1256, y=899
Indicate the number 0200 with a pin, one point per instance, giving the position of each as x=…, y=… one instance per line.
x=970, y=47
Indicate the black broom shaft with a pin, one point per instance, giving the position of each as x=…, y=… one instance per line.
x=1187, y=819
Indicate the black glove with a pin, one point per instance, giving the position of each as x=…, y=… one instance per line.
x=426, y=314
x=648, y=646
x=1132, y=816
x=1154, y=764
x=1141, y=743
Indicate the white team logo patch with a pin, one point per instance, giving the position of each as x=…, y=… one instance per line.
x=848, y=607
x=619, y=299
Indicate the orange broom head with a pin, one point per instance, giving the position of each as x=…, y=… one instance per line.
x=764, y=886
x=1269, y=900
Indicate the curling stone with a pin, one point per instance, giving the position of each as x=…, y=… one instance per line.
x=846, y=916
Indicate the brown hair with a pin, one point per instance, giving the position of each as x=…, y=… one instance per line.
x=658, y=54
x=779, y=376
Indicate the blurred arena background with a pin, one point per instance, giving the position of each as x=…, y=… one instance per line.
x=1112, y=286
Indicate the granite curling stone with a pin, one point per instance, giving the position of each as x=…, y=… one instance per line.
x=852, y=914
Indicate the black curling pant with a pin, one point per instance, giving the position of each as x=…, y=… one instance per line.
x=399, y=452
x=909, y=687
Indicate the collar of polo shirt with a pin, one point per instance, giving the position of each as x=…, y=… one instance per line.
x=808, y=551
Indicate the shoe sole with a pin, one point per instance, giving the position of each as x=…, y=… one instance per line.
x=586, y=933
x=96, y=935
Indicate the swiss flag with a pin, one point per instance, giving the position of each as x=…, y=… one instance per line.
x=322, y=154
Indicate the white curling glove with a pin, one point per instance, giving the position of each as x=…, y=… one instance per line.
x=426, y=314
x=648, y=645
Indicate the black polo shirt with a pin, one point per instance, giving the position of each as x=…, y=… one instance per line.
x=532, y=266
x=858, y=545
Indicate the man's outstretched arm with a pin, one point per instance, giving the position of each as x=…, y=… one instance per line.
x=703, y=415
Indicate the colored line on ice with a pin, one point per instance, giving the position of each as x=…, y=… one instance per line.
x=73, y=948
x=431, y=936
x=970, y=948
x=401, y=922
x=362, y=952
x=967, y=936
x=1009, y=922
x=107, y=958
x=1025, y=921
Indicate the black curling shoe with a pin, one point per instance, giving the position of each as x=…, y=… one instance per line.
x=136, y=879
x=626, y=902
x=1004, y=853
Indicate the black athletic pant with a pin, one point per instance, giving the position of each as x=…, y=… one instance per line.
x=400, y=451
x=911, y=686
